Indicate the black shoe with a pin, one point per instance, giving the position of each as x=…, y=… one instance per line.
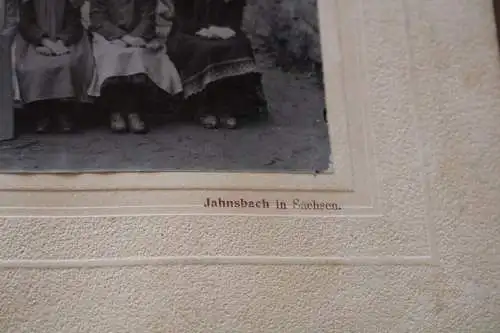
x=209, y=122
x=43, y=125
x=65, y=123
x=228, y=122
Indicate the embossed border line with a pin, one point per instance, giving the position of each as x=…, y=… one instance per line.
x=219, y=260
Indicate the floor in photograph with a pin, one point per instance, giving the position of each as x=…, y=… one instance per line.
x=294, y=139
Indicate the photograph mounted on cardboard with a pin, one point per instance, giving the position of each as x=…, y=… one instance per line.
x=162, y=85
x=151, y=130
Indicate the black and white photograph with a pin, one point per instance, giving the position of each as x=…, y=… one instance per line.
x=162, y=85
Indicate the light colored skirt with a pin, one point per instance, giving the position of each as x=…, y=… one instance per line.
x=118, y=61
x=43, y=77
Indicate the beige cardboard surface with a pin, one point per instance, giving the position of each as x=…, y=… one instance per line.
x=415, y=249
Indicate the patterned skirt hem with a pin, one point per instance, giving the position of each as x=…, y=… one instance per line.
x=215, y=72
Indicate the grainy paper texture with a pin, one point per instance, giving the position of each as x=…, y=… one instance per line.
x=431, y=87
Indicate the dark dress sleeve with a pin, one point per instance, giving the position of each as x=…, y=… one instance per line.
x=72, y=31
x=147, y=17
x=28, y=28
x=226, y=14
x=235, y=10
x=187, y=16
x=100, y=23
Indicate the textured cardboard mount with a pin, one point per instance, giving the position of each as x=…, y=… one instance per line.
x=346, y=188
x=428, y=94
x=359, y=197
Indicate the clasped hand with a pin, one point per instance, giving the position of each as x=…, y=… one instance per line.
x=131, y=41
x=216, y=32
x=52, y=48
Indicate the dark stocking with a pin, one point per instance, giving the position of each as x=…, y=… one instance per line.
x=43, y=111
x=117, y=100
x=66, y=111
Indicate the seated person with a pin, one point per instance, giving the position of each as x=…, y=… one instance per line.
x=216, y=61
x=54, y=62
x=129, y=56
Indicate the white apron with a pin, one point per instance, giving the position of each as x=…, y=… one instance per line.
x=15, y=84
x=114, y=61
x=43, y=77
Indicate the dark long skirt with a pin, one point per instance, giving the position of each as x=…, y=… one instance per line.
x=212, y=69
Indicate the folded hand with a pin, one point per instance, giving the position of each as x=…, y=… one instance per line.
x=55, y=48
x=62, y=49
x=221, y=32
x=155, y=45
x=119, y=42
x=204, y=33
x=134, y=41
x=43, y=50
